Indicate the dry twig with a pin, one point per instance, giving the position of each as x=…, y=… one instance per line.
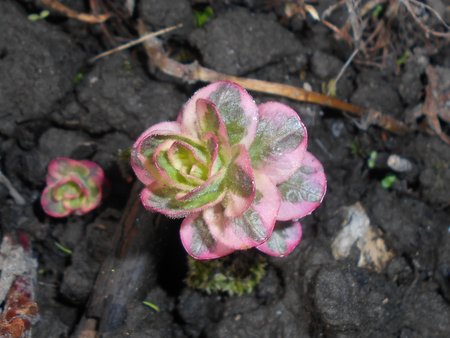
x=70, y=13
x=134, y=42
x=423, y=26
x=194, y=72
x=12, y=191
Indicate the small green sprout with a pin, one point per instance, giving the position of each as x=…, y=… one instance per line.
x=63, y=249
x=372, y=159
x=36, y=17
x=356, y=149
x=78, y=77
x=127, y=65
x=329, y=87
x=388, y=181
x=403, y=58
x=151, y=305
x=378, y=9
x=203, y=16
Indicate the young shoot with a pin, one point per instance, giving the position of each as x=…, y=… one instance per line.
x=238, y=173
x=73, y=187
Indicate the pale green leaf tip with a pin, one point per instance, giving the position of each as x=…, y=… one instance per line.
x=63, y=249
x=151, y=305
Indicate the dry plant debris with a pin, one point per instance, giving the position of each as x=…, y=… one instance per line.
x=70, y=13
x=17, y=279
x=357, y=230
x=193, y=72
x=437, y=101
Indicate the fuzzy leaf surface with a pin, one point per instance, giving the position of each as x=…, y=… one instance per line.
x=198, y=241
x=235, y=106
x=254, y=226
x=303, y=192
x=280, y=141
x=285, y=238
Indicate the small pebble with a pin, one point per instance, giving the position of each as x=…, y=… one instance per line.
x=336, y=128
x=399, y=164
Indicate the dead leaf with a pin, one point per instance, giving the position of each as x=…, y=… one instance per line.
x=356, y=230
x=437, y=101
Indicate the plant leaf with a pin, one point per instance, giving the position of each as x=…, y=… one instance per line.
x=61, y=167
x=173, y=203
x=203, y=16
x=51, y=206
x=254, y=226
x=303, y=192
x=198, y=241
x=210, y=121
x=285, y=238
x=145, y=146
x=151, y=305
x=236, y=107
x=240, y=184
x=167, y=170
x=280, y=141
x=90, y=200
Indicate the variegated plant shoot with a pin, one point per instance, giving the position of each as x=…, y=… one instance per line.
x=238, y=172
x=73, y=187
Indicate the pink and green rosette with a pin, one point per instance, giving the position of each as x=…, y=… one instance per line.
x=73, y=187
x=239, y=173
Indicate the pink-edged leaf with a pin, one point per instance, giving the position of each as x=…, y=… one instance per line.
x=215, y=161
x=198, y=241
x=60, y=167
x=285, y=238
x=254, y=226
x=162, y=169
x=303, y=192
x=182, y=155
x=143, y=148
x=240, y=183
x=210, y=121
x=90, y=201
x=280, y=141
x=236, y=107
x=174, y=203
x=52, y=207
x=76, y=187
x=211, y=185
x=96, y=173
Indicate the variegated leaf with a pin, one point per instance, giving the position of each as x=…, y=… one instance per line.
x=198, y=241
x=240, y=184
x=236, y=108
x=254, y=226
x=285, y=238
x=280, y=141
x=303, y=192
